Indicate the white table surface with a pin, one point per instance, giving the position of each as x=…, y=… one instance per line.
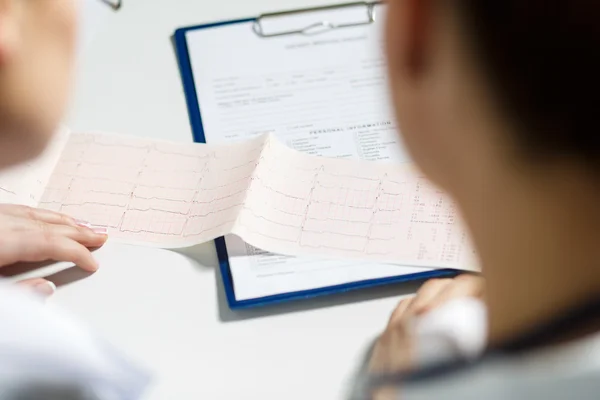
x=167, y=310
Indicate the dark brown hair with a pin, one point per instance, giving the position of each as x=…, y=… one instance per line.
x=543, y=60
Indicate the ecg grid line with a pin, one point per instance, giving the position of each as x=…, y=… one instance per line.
x=158, y=192
x=300, y=204
x=275, y=198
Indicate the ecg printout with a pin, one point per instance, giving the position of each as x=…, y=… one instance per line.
x=275, y=198
x=323, y=95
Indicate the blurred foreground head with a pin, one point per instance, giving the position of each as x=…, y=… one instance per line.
x=37, y=46
x=494, y=92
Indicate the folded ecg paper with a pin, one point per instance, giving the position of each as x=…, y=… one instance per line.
x=275, y=198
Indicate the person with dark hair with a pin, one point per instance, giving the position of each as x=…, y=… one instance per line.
x=496, y=105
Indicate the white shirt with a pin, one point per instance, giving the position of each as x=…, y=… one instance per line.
x=44, y=351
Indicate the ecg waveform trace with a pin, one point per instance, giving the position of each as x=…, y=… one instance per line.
x=146, y=191
x=275, y=198
x=300, y=204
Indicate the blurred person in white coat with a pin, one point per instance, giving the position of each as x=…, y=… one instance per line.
x=43, y=354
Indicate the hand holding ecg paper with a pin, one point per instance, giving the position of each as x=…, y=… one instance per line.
x=277, y=199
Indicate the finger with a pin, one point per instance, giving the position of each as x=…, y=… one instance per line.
x=38, y=214
x=392, y=351
x=398, y=314
x=90, y=238
x=40, y=246
x=426, y=293
x=462, y=286
x=40, y=286
x=386, y=393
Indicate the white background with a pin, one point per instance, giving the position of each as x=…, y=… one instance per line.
x=167, y=310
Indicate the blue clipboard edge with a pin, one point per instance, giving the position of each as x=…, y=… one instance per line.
x=195, y=117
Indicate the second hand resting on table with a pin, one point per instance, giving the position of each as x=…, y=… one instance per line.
x=35, y=235
x=393, y=351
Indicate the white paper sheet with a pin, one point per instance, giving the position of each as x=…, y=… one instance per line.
x=322, y=94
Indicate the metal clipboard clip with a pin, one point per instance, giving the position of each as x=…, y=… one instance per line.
x=114, y=4
x=363, y=14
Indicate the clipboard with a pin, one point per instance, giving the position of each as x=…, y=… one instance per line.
x=263, y=27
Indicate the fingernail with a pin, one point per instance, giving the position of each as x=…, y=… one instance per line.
x=45, y=289
x=100, y=230
x=422, y=310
